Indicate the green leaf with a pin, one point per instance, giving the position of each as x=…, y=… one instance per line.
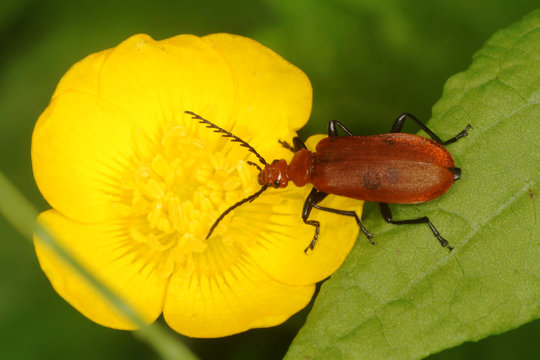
x=406, y=297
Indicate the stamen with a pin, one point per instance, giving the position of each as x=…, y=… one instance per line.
x=160, y=166
x=172, y=199
x=232, y=183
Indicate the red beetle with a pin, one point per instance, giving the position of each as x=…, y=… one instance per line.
x=395, y=168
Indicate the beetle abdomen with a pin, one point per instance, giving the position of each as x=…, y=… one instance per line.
x=392, y=168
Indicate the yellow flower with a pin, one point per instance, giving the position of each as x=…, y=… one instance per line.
x=135, y=184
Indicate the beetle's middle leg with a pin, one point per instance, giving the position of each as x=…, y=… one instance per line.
x=332, y=129
x=315, y=197
x=387, y=216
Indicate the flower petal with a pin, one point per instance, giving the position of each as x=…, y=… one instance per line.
x=285, y=237
x=159, y=80
x=79, y=160
x=108, y=252
x=156, y=80
x=269, y=91
x=111, y=108
x=227, y=294
x=84, y=75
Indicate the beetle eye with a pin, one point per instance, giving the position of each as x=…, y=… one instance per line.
x=276, y=183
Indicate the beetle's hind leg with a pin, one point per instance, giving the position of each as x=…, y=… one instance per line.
x=400, y=121
x=387, y=216
x=463, y=133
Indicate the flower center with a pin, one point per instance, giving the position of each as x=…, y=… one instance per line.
x=173, y=197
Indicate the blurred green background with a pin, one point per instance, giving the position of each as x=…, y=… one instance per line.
x=368, y=61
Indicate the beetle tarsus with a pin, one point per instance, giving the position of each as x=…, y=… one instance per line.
x=286, y=145
x=297, y=142
x=368, y=235
x=443, y=241
x=463, y=133
x=317, y=225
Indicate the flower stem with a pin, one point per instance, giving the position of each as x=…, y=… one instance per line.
x=22, y=215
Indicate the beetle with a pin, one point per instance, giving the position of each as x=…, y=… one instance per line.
x=393, y=168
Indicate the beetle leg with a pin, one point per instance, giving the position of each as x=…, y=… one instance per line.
x=463, y=133
x=313, y=198
x=298, y=144
x=387, y=216
x=332, y=130
x=400, y=121
x=286, y=145
x=348, y=213
x=457, y=173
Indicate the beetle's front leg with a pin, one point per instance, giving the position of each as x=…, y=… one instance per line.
x=314, y=197
x=298, y=144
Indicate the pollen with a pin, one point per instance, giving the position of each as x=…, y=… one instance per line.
x=172, y=198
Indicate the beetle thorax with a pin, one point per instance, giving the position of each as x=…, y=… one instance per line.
x=301, y=167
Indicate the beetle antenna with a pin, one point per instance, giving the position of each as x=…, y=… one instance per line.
x=227, y=134
x=248, y=199
x=253, y=164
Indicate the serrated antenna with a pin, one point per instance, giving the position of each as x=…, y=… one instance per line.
x=233, y=138
x=227, y=134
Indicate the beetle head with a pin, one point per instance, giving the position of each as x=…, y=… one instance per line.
x=274, y=174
